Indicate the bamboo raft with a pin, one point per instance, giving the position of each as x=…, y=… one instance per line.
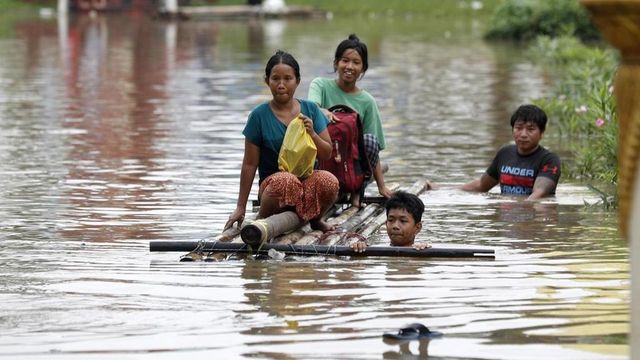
x=286, y=232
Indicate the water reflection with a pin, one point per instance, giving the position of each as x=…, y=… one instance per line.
x=117, y=130
x=405, y=350
x=112, y=100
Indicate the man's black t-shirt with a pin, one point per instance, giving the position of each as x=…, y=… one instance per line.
x=517, y=173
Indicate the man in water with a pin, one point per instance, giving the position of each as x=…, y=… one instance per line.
x=524, y=168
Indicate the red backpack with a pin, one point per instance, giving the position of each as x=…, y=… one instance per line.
x=348, y=160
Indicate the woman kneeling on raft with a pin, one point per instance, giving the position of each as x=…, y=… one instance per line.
x=279, y=191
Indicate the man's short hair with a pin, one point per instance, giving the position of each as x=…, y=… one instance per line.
x=407, y=201
x=530, y=113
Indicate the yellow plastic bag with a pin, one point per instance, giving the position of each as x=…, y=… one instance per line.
x=298, y=152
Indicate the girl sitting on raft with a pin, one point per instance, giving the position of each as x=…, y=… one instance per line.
x=350, y=63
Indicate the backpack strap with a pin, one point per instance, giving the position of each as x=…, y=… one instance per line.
x=341, y=108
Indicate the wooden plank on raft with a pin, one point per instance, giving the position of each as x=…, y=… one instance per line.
x=344, y=222
x=293, y=236
x=345, y=231
x=372, y=219
x=313, y=236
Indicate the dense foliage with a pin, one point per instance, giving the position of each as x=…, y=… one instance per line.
x=526, y=19
x=583, y=105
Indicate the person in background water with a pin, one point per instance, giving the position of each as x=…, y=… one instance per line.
x=350, y=63
x=524, y=168
x=264, y=133
x=404, y=221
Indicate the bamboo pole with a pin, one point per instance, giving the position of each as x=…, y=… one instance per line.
x=295, y=235
x=312, y=237
x=292, y=237
x=314, y=250
x=349, y=227
x=259, y=231
x=233, y=232
x=229, y=234
x=374, y=225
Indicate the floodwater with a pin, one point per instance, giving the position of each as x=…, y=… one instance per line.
x=117, y=130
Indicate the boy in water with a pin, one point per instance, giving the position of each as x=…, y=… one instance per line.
x=523, y=168
x=404, y=221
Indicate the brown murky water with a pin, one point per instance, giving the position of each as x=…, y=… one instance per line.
x=118, y=130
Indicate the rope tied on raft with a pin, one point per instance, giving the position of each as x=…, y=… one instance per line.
x=205, y=249
x=343, y=236
x=198, y=253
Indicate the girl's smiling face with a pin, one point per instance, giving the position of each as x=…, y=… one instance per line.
x=349, y=66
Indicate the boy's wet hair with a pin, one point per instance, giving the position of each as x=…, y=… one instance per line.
x=407, y=201
x=530, y=113
x=282, y=57
x=352, y=42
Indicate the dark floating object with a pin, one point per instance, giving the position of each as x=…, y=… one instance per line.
x=411, y=332
x=315, y=250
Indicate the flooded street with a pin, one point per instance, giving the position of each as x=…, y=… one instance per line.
x=118, y=130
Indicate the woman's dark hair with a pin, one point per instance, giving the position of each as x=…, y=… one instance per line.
x=281, y=57
x=407, y=201
x=353, y=42
x=530, y=113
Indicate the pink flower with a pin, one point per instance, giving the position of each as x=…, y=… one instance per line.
x=599, y=122
x=581, y=109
